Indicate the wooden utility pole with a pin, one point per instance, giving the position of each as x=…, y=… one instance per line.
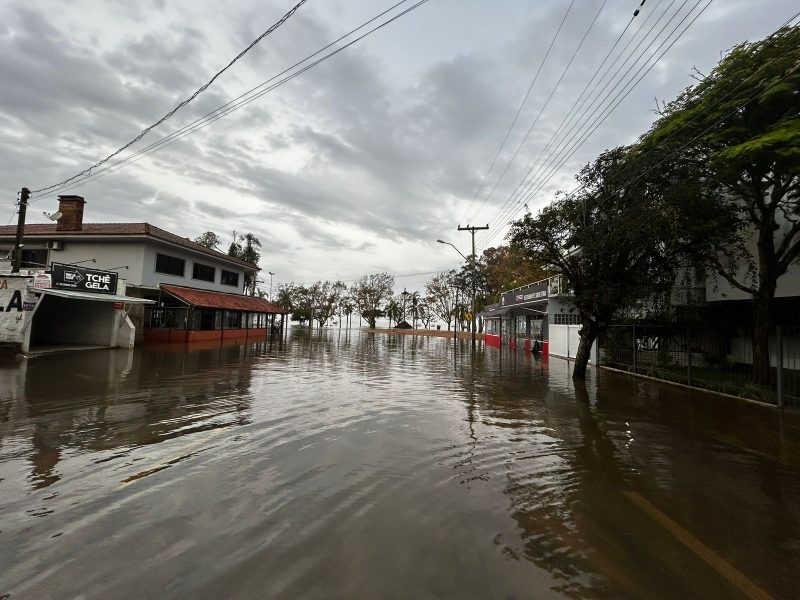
x=24, y=196
x=472, y=230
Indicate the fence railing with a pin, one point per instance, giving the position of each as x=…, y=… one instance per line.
x=714, y=358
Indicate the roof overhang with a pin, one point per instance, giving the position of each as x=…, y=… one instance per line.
x=92, y=297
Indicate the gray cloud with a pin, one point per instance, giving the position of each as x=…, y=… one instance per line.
x=389, y=139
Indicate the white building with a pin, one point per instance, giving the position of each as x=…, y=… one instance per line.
x=191, y=286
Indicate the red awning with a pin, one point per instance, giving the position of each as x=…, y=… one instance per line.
x=207, y=299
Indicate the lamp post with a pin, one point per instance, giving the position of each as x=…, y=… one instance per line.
x=271, y=273
x=472, y=320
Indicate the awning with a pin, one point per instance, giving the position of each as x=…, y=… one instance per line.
x=223, y=300
x=516, y=309
x=90, y=296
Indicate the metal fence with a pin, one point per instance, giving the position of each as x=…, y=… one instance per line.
x=714, y=358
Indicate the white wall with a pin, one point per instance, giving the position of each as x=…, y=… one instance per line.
x=140, y=257
x=718, y=288
x=108, y=254
x=151, y=278
x=564, y=340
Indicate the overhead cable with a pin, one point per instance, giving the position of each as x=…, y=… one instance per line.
x=197, y=92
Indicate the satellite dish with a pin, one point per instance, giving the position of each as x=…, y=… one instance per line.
x=53, y=217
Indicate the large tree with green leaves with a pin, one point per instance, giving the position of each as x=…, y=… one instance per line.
x=613, y=241
x=246, y=247
x=502, y=268
x=738, y=133
x=441, y=296
x=370, y=293
x=209, y=239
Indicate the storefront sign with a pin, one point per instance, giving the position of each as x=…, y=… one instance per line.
x=42, y=281
x=533, y=293
x=81, y=279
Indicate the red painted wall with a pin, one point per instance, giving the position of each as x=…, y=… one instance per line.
x=175, y=335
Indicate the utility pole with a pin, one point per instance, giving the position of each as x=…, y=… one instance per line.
x=271, y=273
x=24, y=195
x=472, y=230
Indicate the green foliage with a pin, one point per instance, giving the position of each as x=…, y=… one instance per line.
x=209, y=239
x=370, y=293
x=614, y=243
x=246, y=247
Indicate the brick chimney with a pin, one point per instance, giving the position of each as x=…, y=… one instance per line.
x=71, y=209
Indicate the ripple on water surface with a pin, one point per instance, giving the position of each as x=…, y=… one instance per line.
x=353, y=465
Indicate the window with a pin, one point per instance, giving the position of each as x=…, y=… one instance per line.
x=203, y=272
x=566, y=319
x=169, y=265
x=34, y=259
x=232, y=319
x=229, y=278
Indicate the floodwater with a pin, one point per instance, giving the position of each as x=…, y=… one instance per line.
x=342, y=464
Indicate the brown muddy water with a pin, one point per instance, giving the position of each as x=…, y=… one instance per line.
x=357, y=465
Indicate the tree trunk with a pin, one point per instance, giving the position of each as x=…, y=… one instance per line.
x=762, y=373
x=588, y=333
x=767, y=283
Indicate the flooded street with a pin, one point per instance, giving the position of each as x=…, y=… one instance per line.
x=343, y=464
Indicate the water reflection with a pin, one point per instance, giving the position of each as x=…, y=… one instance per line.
x=342, y=464
x=109, y=402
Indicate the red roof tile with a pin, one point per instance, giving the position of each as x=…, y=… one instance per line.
x=120, y=229
x=207, y=299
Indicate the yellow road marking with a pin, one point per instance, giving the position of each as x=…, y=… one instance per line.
x=718, y=563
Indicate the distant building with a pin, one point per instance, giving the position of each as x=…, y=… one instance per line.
x=147, y=265
x=538, y=316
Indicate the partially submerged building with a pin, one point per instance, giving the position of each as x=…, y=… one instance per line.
x=120, y=269
x=535, y=317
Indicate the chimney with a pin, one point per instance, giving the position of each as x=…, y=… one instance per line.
x=71, y=209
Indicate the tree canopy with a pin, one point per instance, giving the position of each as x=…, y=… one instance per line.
x=735, y=137
x=612, y=242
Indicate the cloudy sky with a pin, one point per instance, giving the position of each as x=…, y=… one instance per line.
x=361, y=163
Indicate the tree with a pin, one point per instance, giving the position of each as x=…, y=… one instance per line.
x=394, y=310
x=369, y=293
x=284, y=297
x=326, y=296
x=246, y=247
x=441, y=296
x=503, y=268
x=209, y=239
x=738, y=132
x=612, y=241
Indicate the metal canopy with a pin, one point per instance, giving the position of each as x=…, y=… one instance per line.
x=90, y=296
x=518, y=309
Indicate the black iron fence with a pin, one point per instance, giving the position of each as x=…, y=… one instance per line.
x=714, y=358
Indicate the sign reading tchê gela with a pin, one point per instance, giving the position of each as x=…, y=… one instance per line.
x=81, y=279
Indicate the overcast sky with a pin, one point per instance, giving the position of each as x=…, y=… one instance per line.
x=359, y=164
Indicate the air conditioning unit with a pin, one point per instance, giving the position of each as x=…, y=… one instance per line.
x=55, y=245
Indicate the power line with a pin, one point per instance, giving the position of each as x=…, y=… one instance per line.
x=732, y=112
x=547, y=171
x=249, y=96
x=544, y=106
x=519, y=110
x=586, y=93
x=608, y=110
x=199, y=91
x=507, y=207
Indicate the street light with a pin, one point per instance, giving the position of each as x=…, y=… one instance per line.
x=271, y=273
x=472, y=320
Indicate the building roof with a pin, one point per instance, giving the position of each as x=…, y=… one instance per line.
x=119, y=229
x=208, y=299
